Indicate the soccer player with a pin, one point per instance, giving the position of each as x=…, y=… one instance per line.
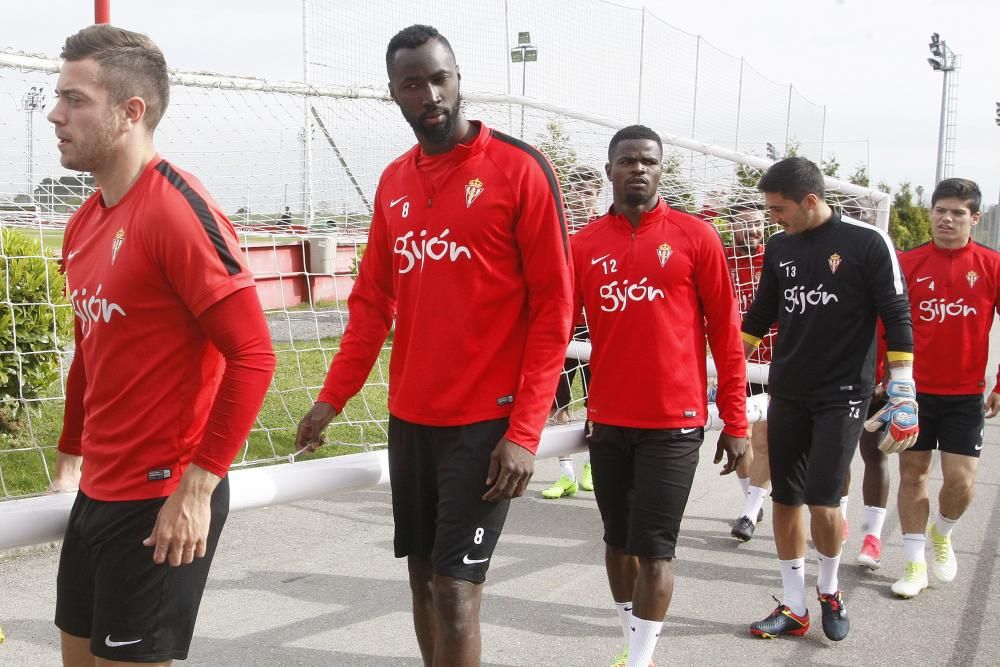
x=954, y=287
x=825, y=280
x=582, y=190
x=171, y=365
x=746, y=259
x=653, y=282
x=468, y=252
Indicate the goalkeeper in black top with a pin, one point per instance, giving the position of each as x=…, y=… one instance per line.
x=825, y=280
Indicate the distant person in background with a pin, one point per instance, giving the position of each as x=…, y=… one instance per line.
x=286, y=217
x=746, y=259
x=583, y=188
x=168, y=373
x=954, y=297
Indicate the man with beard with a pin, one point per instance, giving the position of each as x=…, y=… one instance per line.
x=746, y=258
x=468, y=251
x=171, y=365
x=654, y=283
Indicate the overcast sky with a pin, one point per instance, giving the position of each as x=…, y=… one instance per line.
x=864, y=59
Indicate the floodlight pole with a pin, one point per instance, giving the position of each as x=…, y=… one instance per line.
x=943, y=60
x=522, y=53
x=33, y=100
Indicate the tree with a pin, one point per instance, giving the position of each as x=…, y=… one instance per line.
x=860, y=175
x=909, y=221
x=557, y=145
x=830, y=167
x=674, y=188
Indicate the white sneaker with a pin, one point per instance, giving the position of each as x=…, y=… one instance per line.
x=914, y=580
x=945, y=565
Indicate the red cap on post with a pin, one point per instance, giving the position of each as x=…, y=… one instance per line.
x=102, y=11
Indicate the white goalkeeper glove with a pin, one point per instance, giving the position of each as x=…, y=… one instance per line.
x=898, y=417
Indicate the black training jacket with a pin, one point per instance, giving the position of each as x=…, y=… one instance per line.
x=825, y=288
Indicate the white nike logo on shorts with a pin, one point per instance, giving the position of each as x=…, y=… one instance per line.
x=978, y=447
x=113, y=644
x=791, y=261
x=855, y=402
x=396, y=201
x=688, y=430
x=471, y=561
x=595, y=261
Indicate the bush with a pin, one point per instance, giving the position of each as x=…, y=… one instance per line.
x=35, y=321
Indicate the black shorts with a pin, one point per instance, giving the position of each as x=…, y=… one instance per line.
x=811, y=444
x=438, y=478
x=953, y=424
x=109, y=589
x=642, y=478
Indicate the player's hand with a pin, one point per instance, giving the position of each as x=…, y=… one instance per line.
x=310, y=433
x=898, y=417
x=734, y=449
x=181, y=531
x=511, y=468
x=992, y=406
x=67, y=474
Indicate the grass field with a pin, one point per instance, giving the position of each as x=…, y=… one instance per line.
x=25, y=454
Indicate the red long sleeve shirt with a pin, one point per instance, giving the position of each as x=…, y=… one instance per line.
x=953, y=297
x=162, y=376
x=744, y=270
x=651, y=296
x=469, y=252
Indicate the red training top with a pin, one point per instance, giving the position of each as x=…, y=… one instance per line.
x=468, y=250
x=141, y=275
x=744, y=271
x=953, y=297
x=651, y=294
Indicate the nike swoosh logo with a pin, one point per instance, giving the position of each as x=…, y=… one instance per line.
x=396, y=201
x=72, y=255
x=791, y=261
x=796, y=567
x=113, y=644
x=979, y=446
x=599, y=259
x=688, y=430
x=855, y=402
x=473, y=561
x=920, y=280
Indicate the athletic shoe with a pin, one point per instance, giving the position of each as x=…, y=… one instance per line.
x=835, y=621
x=846, y=530
x=945, y=565
x=564, y=486
x=782, y=621
x=914, y=580
x=587, y=479
x=622, y=659
x=743, y=529
x=871, y=553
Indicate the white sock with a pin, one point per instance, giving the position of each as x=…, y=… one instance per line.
x=642, y=641
x=843, y=507
x=755, y=500
x=566, y=467
x=625, y=616
x=744, y=484
x=874, y=517
x=913, y=547
x=944, y=525
x=827, y=581
x=793, y=579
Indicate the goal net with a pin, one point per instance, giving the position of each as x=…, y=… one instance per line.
x=295, y=167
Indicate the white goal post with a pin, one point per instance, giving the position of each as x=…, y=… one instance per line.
x=298, y=186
